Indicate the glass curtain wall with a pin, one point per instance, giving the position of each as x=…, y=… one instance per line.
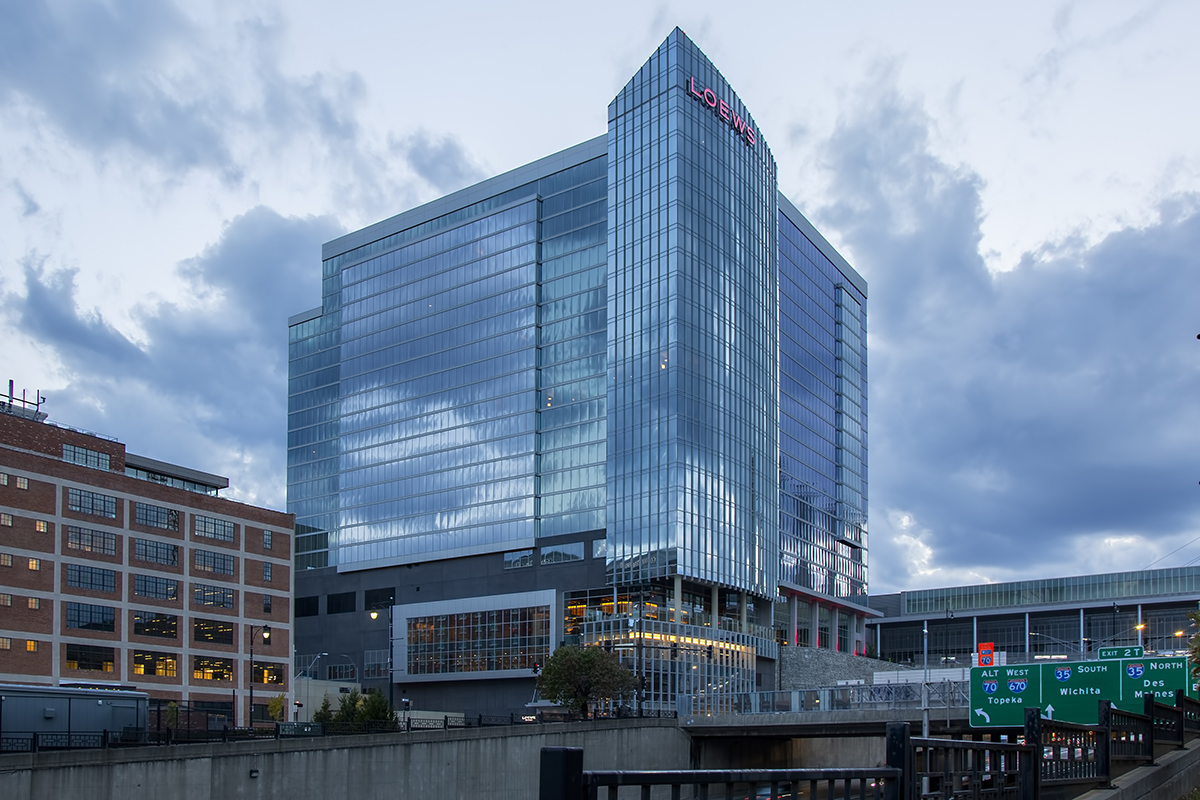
x=693, y=428
x=822, y=418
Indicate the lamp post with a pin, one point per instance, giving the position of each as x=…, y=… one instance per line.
x=308, y=686
x=266, y=635
x=390, y=675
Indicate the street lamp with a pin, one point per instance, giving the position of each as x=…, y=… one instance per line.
x=308, y=686
x=390, y=676
x=266, y=635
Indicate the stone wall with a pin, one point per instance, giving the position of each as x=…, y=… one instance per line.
x=808, y=668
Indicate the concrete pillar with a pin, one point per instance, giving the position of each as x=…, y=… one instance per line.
x=834, y=622
x=716, y=607
x=678, y=597
x=793, y=619
x=743, y=617
x=814, y=632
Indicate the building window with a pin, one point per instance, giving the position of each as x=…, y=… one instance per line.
x=515, y=559
x=378, y=598
x=5, y=643
x=5, y=599
x=40, y=526
x=152, y=623
x=83, y=656
x=91, y=541
x=339, y=672
x=3, y=479
x=479, y=641
x=6, y=520
x=5, y=559
x=91, y=618
x=149, y=663
x=341, y=603
x=560, y=553
x=266, y=604
x=85, y=457
x=268, y=673
x=94, y=578
x=307, y=606
x=35, y=603
x=22, y=483
x=266, y=573
x=212, y=631
x=213, y=528
x=156, y=587
x=266, y=540
x=156, y=516
x=85, y=502
x=599, y=548
x=207, y=668
x=31, y=646
x=204, y=594
x=35, y=564
x=156, y=552
x=220, y=563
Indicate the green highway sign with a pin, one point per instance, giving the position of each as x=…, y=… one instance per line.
x=1071, y=691
x=1122, y=652
x=1162, y=676
x=999, y=695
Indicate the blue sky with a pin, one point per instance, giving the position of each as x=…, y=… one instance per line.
x=1018, y=184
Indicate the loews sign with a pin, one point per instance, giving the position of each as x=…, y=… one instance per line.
x=723, y=110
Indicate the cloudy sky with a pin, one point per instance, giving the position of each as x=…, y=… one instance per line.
x=1019, y=184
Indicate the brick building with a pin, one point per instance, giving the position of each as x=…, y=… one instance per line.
x=120, y=569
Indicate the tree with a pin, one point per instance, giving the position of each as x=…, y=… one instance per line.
x=1194, y=644
x=375, y=707
x=349, y=707
x=275, y=707
x=577, y=677
x=324, y=713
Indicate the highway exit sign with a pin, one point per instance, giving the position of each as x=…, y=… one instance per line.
x=1121, y=652
x=1071, y=691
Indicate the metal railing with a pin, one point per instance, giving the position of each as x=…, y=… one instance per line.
x=879, y=697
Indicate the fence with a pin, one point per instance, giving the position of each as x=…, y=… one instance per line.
x=28, y=741
x=1062, y=758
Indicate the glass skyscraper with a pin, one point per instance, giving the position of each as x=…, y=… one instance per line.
x=618, y=394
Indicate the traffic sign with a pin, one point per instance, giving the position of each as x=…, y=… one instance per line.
x=1071, y=692
x=1122, y=652
x=1160, y=676
x=999, y=695
x=987, y=654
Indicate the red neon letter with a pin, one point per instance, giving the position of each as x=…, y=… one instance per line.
x=710, y=97
x=750, y=134
x=739, y=124
x=724, y=110
x=692, y=86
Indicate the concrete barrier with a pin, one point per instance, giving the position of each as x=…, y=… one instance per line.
x=496, y=764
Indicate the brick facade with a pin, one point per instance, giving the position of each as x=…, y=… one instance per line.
x=102, y=538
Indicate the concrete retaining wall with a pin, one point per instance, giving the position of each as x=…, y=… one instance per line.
x=497, y=764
